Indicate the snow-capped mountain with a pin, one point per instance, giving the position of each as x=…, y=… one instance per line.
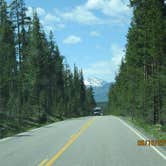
x=94, y=82
x=100, y=87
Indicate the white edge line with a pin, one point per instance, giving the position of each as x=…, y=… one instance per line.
x=36, y=129
x=142, y=137
x=19, y=134
x=5, y=139
x=8, y=138
x=26, y=132
x=33, y=130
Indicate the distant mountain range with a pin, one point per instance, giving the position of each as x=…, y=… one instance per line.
x=100, y=87
x=94, y=82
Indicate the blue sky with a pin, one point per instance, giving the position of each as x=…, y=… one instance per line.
x=89, y=33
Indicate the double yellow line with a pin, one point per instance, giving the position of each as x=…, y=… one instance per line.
x=68, y=144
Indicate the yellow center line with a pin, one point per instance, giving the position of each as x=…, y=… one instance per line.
x=43, y=162
x=71, y=141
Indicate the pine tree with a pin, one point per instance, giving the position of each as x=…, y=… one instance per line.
x=7, y=61
x=140, y=84
x=35, y=84
x=82, y=93
x=90, y=101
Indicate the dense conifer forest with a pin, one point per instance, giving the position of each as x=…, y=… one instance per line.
x=36, y=86
x=140, y=87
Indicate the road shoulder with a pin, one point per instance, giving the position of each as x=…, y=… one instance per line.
x=143, y=132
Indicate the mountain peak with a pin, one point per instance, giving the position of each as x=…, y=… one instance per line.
x=94, y=82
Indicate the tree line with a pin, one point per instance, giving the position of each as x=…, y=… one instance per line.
x=36, y=86
x=140, y=87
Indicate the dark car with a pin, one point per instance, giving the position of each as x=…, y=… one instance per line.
x=97, y=111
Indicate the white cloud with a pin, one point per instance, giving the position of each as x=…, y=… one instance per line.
x=99, y=68
x=109, y=7
x=40, y=11
x=94, y=4
x=81, y=15
x=50, y=22
x=29, y=12
x=72, y=39
x=51, y=18
x=107, y=69
x=117, y=54
x=115, y=12
x=94, y=34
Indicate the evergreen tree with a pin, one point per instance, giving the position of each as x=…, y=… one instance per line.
x=35, y=85
x=82, y=93
x=90, y=101
x=7, y=62
x=140, y=85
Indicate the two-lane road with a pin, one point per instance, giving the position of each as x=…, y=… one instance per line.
x=89, y=141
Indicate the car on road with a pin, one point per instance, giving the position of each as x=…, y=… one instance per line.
x=97, y=111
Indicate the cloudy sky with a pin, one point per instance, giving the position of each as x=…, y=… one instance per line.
x=90, y=33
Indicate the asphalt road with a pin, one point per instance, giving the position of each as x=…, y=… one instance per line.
x=90, y=141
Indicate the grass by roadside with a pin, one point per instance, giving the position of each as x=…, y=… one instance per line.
x=153, y=131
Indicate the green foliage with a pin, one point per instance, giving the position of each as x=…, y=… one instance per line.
x=140, y=87
x=36, y=86
x=155, y=131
